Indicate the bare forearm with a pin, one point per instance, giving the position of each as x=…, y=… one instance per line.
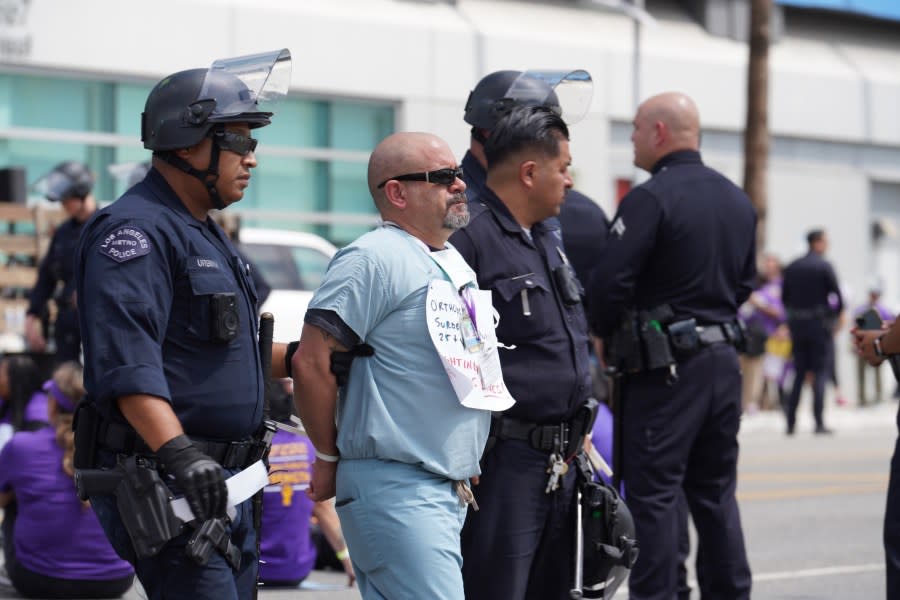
x=315, y=388
x=330, y=524
x=152, y=417
x=316, y=401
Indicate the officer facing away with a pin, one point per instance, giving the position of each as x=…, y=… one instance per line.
x=812, y=301
x=584, y=224
x=173, y=370
x=70, y=184
x=520, y=543
x=679, y=261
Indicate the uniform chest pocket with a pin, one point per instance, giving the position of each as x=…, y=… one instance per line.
x=524, y=303
x=214, y=306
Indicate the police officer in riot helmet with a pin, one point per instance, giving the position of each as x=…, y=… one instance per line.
x=584, y=223
x=69, y=183
x=521, y=542
x=173, y=371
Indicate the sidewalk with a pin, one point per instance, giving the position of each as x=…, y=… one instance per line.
x=848, y=418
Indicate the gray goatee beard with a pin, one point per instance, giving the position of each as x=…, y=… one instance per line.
x=456, y=220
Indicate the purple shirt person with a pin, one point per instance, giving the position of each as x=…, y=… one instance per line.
x=55, y=533
x=874, y=303
x=287, y=553
x=768, y=311
x=57, y=544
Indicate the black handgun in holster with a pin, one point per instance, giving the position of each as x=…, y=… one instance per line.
x=685, y=338
x=142, y=498
x=210, y=536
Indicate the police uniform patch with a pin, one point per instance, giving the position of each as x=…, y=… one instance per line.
x=125, y=243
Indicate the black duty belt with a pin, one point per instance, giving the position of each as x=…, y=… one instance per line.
x=711, y=334
x=808, y=314
x=121, y=439
x=547, y=438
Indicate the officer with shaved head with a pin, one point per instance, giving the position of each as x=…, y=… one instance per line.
x=679, y=261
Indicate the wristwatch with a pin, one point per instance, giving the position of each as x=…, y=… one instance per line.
x=876, y=343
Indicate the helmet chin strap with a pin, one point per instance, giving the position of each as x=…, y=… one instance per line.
x=210, y=176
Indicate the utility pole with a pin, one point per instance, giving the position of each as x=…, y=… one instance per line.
x=756, y=134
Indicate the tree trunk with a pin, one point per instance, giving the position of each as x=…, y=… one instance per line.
x=756, y=136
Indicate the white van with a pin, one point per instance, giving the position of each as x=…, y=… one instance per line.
x=293, y=264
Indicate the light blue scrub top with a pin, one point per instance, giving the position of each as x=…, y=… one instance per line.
x=398, y=404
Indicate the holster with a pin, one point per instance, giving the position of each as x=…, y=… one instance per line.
x=141, y=498
x=143, y=502
x=85, y=424
x=581, y=425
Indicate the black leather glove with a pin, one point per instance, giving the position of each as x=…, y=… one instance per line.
x=200, y=477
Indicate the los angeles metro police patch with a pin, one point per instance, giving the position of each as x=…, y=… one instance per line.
x=125, y=243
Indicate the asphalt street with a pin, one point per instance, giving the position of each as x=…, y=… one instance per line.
x=812, y=509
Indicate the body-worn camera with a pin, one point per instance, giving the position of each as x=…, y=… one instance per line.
x=567, y=284
x=224, y=317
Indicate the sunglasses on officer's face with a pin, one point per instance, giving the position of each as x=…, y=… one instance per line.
x=235, y=142
x=440, y=176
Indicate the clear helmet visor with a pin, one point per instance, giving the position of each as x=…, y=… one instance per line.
x=567, y=92
x=54, y=186
x=266, y=77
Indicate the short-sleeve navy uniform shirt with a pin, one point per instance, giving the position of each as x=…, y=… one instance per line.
x=146, y=272
x=548, y=370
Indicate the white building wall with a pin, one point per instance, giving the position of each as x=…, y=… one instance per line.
x=825, y=87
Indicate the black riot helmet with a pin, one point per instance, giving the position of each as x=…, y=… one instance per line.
x=488, y=102
x=70, y=179
x=178, y=116
x=567, y=93
x=188, y=106
x=610, y=544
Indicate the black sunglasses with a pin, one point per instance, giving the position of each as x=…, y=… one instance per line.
x=441, y=176
x=235, y=142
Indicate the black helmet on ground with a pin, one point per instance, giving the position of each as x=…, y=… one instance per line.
x=70, y=179
x=609, y=543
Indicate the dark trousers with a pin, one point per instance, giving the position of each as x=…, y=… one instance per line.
x=35, y=585
x=892, y=527
x=170, y=574
x=520, y=544
x=811, y=356
x=684, y=437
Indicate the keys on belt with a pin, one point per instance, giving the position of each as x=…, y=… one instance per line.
x=557, y=469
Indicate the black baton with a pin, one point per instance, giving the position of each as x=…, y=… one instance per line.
x=266, y=327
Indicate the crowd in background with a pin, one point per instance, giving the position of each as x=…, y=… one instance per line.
x=767, y=364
